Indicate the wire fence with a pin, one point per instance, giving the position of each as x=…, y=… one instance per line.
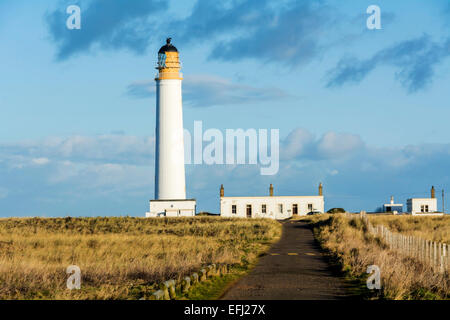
x=432, y=253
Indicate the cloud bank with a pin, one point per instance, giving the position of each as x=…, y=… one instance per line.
x=288, y=33
x=114, y=174
x=109, y=25
x=415, y=61
x=201, y=91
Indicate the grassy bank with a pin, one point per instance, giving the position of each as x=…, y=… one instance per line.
x=349, y=243
x=120, y=258
x=429, y=228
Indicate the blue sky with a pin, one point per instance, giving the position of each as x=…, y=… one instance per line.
x=363, y=111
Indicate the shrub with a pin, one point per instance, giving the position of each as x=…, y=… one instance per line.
x=336, y=210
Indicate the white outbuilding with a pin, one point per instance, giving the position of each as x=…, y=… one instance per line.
x=423, y=206
x=274, y=207
x=393, y=207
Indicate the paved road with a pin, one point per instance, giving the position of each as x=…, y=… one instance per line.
x=293, y=269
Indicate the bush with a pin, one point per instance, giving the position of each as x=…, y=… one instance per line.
x=336, y=210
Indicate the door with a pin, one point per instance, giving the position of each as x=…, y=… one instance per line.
x=294, y=209
x=249, y=211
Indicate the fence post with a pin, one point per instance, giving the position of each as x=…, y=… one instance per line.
x=444, y=253
x=422, y=250
x=411, y=251
x=434, y=254
x=403, y=243
x=425, y=255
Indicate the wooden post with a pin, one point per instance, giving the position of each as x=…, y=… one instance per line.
x=430, y=252
x=434, y=254
x=444, y=253
x=158, y=295
x=211, y=270
x=425, y=251
x=202, y=275
x=411, y=241
x=170, y=285
x=422, y=249
x=185, y=284
x=194, y=278
x=165, y=290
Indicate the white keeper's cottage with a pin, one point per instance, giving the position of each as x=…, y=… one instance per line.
x=275, y=207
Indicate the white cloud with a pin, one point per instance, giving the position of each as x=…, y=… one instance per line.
x=102, y=148
x=297, y=143
x=40, y=161
x=207, y=90
x=301, y=143
x=334, y=144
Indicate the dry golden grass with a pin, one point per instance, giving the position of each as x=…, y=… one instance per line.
x=402, y=277
x=120, y=258
x=428, y=228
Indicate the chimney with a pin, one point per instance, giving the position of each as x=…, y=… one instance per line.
x=320, y=189
x=433, y=192
x=271, y=190
x=222, y=191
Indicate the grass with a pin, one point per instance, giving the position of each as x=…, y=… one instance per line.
x=349, y=243
x=429, y=228
x=121, y=258
x=212, y=289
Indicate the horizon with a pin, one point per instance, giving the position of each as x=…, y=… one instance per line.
x=365, y=112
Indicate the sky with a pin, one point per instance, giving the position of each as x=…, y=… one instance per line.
x=365, y=112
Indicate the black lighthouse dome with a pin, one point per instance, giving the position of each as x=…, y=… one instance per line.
x=168, y=47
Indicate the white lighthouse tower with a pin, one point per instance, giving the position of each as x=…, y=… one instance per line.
x=170, y=185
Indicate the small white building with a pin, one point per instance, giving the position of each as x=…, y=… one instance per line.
x=393, y=207
x=274, y=207
x=172, y=208
x=423, y=206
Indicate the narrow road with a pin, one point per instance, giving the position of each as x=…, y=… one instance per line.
x=293, y=269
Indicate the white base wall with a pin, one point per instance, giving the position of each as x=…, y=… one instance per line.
x=428, y=214
x=414, y=205
x=172, y=208
x=304, y=205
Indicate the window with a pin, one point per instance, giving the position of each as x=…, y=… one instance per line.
x=310, y=207
x=263, y=208
x=424, y=208
x=233, y=209
x=280, y=208
x=249, y=211
x=295, y=208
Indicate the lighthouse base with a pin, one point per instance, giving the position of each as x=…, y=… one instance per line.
x=172, y=208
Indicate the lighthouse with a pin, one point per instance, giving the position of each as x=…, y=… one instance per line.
x=170, y=180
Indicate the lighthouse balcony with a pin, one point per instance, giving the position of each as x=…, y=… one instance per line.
x=168, y=75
